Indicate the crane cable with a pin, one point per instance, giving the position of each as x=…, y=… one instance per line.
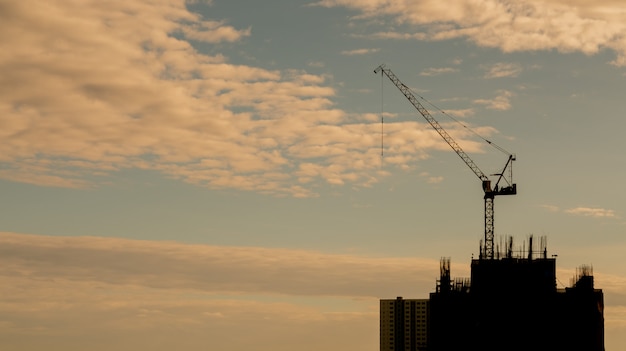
x=382, y=119
x=494, y=145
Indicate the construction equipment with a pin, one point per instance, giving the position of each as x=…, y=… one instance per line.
x=487, y=251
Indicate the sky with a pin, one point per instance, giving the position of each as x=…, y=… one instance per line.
x=215, y=174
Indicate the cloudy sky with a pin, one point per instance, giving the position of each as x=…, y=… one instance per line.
x=215, y=174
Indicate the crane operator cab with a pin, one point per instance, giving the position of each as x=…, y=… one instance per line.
x=505, y=190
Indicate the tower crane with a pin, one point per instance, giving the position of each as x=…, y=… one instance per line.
x=487, y=251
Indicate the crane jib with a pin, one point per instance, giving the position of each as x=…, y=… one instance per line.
x=490, y=192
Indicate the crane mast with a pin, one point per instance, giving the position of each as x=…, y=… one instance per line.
x=487, y=251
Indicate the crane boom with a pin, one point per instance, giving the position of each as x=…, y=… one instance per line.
x=433, y=122
x=509, y=189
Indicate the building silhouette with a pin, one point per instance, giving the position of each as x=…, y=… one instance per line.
x=509, y=303
x=403, y=324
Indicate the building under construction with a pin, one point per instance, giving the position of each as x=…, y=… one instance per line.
x=511, y=302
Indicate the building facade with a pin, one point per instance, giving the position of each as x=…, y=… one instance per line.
x=403, y=324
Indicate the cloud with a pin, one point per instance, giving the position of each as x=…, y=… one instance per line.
x=396, y=35
x=594, y=212
x=215, y=269
x=359, y=52
x=566, y=26
x=591, y=212
x=502, y=70
x=213, y=32
x=461, y=113
x=437, y=71
x=431, y=179
x=62, y=293
x=501, y=102
x=435, y=180
x=91, y=89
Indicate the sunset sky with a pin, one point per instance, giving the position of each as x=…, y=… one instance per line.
x=214, y=175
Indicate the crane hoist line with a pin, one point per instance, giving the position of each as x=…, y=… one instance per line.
x=507, y=188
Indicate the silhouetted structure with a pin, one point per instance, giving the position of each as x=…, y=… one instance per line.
x=403, y=324
x=510, y=303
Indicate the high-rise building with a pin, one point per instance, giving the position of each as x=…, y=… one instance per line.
x=511, y=302
x=403, y=324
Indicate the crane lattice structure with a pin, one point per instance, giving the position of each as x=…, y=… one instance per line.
x=487, y=251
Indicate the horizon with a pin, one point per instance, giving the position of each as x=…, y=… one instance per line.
x=215, y=173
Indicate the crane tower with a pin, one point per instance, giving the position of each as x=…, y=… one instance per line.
x=487, y=251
